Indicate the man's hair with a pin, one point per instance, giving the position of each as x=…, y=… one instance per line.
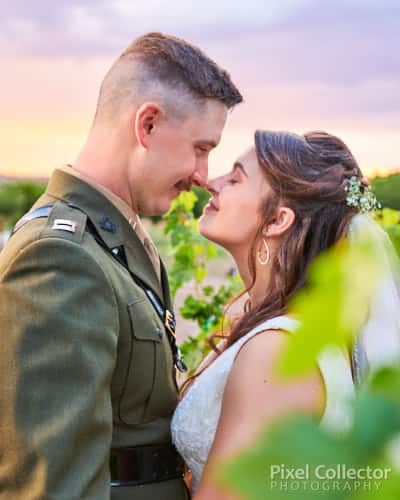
x=166, y=69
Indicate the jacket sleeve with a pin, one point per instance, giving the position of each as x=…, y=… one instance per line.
x=58, y=340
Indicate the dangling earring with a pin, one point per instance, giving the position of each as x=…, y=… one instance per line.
x=265, y=261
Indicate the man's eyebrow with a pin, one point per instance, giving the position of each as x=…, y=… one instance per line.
x=239, y=166
x=210, y=143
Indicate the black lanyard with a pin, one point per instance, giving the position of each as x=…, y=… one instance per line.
x=167, y=317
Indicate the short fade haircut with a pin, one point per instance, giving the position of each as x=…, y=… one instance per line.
x=167, y=69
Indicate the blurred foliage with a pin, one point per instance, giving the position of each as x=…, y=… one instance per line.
x=16, y=198
x=330, y=311
x=297, y=440
x=202, y=197
x=334, y=304
x=387, y=190
x=191, y=251
x=390, y=221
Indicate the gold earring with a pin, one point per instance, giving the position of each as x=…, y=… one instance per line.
x=264, y=261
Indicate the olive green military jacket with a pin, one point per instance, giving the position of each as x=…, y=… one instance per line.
x=85, y=362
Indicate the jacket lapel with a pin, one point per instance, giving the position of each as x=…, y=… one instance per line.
x=165, y=288
x=140, y=264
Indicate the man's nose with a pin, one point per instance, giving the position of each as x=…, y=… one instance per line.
x=200, y=175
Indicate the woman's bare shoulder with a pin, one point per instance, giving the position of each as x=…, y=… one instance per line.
x=255, y=371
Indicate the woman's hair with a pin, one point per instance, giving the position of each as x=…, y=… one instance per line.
x=307, y=174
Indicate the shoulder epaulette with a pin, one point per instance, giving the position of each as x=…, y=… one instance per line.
x=62, y=220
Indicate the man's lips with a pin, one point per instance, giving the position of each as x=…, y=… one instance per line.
x=183, y=185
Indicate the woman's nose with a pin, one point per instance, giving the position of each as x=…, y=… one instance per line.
x=212, y=187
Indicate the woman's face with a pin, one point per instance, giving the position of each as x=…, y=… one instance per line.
x=233, y=216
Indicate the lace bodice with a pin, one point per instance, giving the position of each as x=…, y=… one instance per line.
x=196, y=417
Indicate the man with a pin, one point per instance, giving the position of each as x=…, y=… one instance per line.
x=88, y=356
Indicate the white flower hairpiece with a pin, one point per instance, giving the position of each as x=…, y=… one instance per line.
x=360, y=196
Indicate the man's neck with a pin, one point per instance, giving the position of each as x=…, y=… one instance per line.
x=103, y=165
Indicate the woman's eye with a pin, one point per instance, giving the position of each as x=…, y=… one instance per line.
x=233, y=181
x=202, y=150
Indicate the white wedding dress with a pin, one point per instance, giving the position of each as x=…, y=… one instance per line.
x=196, y=417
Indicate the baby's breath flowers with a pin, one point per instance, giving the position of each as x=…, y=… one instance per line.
x=360, y=196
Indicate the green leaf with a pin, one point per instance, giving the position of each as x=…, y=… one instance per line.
x=200, y=273
x=386, y=383
x=297, y=441
x=333, y=306
x=208, y=290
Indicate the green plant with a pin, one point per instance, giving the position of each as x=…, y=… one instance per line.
x=208, y=311
x=390, y=220
x=191, y=254
x=202, y=197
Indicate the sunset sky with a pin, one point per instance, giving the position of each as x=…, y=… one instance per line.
x=300, y=64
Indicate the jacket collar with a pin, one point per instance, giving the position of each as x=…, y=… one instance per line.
x=112, y=226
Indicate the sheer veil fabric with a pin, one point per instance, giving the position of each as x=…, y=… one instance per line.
x=378, y=344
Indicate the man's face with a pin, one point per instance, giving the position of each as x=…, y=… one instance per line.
x=177, y=157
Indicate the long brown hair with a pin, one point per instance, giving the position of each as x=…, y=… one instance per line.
x=307, y=174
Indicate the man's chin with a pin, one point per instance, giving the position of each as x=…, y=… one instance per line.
x=162, y=207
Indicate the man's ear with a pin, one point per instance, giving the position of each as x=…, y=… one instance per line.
x=283, y=221
x=147, y=118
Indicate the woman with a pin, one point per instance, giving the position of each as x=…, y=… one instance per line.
x=285, y=201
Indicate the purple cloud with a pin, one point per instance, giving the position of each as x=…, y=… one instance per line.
x=344, y=55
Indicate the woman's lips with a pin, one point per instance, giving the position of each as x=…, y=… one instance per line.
x=211, y=206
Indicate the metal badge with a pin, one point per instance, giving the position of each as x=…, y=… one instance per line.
x=170, y=322
x=107, y=225
x=64, y=225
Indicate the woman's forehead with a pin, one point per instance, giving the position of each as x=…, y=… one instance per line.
x=249, y=160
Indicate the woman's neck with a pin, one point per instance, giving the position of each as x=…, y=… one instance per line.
x=258, y=290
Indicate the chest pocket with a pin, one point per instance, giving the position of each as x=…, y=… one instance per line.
x=149, y=390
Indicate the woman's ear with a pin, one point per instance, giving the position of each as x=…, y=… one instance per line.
x=283, y=221
x=146, y=121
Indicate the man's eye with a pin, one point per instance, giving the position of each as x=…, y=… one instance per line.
x=201, y=149
x=232, y=181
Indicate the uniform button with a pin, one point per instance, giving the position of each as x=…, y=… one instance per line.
x=159, y=332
